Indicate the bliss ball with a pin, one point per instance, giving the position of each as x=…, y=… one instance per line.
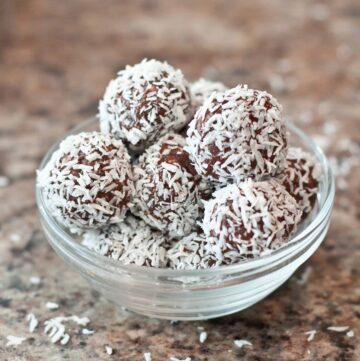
x=238, y=134
x=167, y=187
x=192, y=252
x=203, y=88
x=301, y=178
x=144, y=102
x=88, y=182
x=130, y=242
x=249, y=219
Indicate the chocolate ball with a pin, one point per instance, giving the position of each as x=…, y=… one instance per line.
x=144, y=102
x=236, y=135
x=301, y=178
x=130, y=242
x=192, y=252
x=167, y=187
x=203, y=88
x=249, y=219
x=88, y=182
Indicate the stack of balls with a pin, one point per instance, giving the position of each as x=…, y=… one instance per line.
x=181, y=175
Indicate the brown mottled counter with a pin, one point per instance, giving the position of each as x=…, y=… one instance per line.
x=56, y=58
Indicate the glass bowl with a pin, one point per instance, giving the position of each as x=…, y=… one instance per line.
x=195, y=294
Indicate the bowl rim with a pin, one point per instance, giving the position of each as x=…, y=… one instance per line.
x=107, y=264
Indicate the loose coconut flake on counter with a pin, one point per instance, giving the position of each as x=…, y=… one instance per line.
x=311, y=334
x=242, y=343
x=51, y=306
x=33, y=322
x=56, y=330
x=338, y=328
x=13, y=341
x=203, y=336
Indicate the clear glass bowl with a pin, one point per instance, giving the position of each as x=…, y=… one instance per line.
x=196, y=294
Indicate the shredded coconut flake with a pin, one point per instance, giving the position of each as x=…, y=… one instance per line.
x=56, y=330
x=109, y=350
x=33, y=322
x=202, y=337
x=13, y=341
x=338, y=328
x=65, y=339
x=311, y=334
x=86, y=331
x=242, y=343
x=147, y=356
x=192, y=252
x=51, y=305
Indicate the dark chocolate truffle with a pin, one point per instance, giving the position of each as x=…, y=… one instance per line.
x=144, y=102
x=130, y=242
x=238, y=134
x=203, y=88
x=193, y=252
x=167, y=187
x=301, y=178
x=88, y=182
x=249, y=219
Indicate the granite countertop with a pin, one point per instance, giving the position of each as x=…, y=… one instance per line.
x=56, y=58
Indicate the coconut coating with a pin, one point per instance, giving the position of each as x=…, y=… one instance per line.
x=88, y=182
x=203, y=88
x=193, y=251
x=144, y=102
x=130, y=242
x=301, y=178
x=249, y=219
x=167, y=187
x=238, y=134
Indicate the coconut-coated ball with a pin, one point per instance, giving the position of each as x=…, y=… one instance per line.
x=249, y=219
x=144, y=102
x=301, y=178
x=167, y=187
x=130, y=242
x=193, y=251
x=238, y=134
x=88, y=182
x=203, y=88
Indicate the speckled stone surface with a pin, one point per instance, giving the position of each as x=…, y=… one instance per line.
x=56, y=57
